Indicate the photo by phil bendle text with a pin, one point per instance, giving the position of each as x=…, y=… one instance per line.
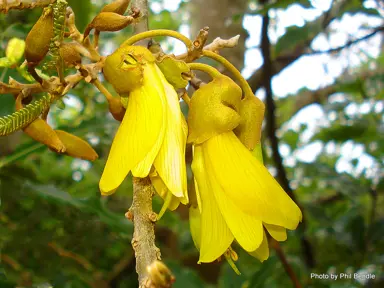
x=356, y=276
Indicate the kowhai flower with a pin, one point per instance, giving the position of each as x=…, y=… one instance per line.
x=152, y=136
x=236, y=195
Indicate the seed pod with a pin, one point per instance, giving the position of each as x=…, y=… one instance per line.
x=38, y=39
x=70, y=54
x=76, y=147
x=40, y=131
x=108, y=21
x=118, y=6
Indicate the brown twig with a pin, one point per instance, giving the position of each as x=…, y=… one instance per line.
x=216, y=45
x=198, y=45
x=271, y=131
x=20, y=5
x=69, y=254
x=143, y=241
x=255, y=81
x=287, y=267
x=337, y=49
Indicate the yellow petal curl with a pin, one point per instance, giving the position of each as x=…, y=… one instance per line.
x=170, y=160
x=262, y=253
x=248, y=184
x=247, y=229
x=277, y=232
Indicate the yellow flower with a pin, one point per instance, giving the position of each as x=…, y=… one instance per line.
x=153, y=131
x=237, y=197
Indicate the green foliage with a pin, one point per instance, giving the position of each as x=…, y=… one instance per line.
x=24, y=116
x=56, y=229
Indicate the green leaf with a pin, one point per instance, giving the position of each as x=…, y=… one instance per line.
x=342, y=133
x=7, y=104
x=165, y=20
x=292, y=38
x=92, y=205
x=258, y=280
x=356, y=6
x=291, y=138
x=185, y=277
x=229, y=279
x=357, y=227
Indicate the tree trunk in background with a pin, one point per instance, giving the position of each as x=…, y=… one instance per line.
x=224, y=19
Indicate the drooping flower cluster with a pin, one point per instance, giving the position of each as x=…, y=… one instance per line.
x=237, y=198
x=152, y=137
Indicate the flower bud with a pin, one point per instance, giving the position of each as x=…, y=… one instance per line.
x=252, y=115
x=70, y=55
x=175, y=71
x=123, y=68
x=15, y=49
x=108, y=21
x=38, y=39
x=160, y=275
x=40, y=131
x=116, y=108
x=214, y=109
x=76, y=147
x=118, y=6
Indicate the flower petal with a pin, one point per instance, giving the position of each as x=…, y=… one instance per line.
x=248, y=183
x=137, y=134
x=262, y=253
x=163, y=191
x=277, y=232
x=247, y=229
x=195, y=225
x=170, y=161
x=215, y=234
x=152, y=75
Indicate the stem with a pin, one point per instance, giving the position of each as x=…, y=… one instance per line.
x=236, y=73
x=143, y=241
x=102, y=89
x=18, y=155
x=160, y=32
x=205, y=68
x=186, y=98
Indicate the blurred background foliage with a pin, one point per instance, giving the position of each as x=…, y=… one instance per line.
x=56, y=230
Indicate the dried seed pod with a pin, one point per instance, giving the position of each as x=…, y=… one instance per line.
x=39, y=38
x=76, y=147
x=70, y=55
x=108, y=21
x=118, y=6
x=40, y=131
